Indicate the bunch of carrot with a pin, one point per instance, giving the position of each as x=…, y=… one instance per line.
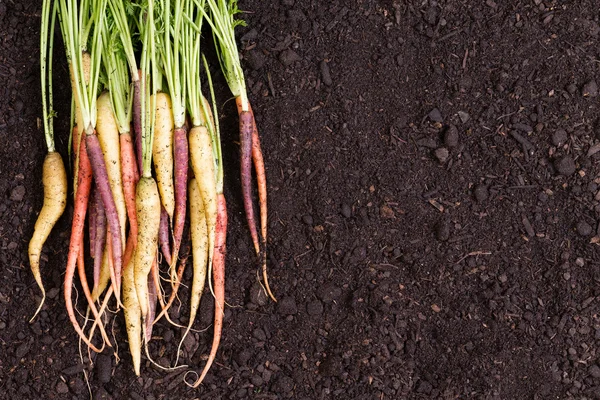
x=144, y=145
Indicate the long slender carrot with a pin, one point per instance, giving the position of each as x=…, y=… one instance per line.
x=218, y=283
x=181, y=153
x=261, y=181
x=246, y=173
x=99, y=169
x=75, y=244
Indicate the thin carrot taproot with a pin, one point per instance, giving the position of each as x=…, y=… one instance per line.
x=75, y=244
x=218, y=276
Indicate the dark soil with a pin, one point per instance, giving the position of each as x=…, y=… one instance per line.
x=434, y=172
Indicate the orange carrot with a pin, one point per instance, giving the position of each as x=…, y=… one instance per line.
x=84, y=183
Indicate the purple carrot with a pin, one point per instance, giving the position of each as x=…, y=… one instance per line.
x=137, y=119
x=163, y=235
x=100, y=237
x=92, y=214
x=181, y=153
x=246, y=128
x=103, y=186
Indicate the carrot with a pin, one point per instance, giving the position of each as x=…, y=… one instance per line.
x=75, y=244
x=107, y=131
x=148, y=215
x=130, y=178
x=181, y=153
x=54, y=178
x=203, y=165
x=162, y=151
x=132, y=314
x=112, y=217
x=218, y=275
x=261, y=181
x=199, y=234
x=222, y=21
x=246, y=173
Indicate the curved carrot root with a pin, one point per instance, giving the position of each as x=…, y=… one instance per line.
x=75, y=245
x=99, y=169
x=54, y=178
x=132, y=314
x=219, y=283
x=199, y=232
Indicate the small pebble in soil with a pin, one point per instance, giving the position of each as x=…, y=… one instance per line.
x=583, y=228
x=481, y=193
x=441, y=154
x=565, y=165
x=314, y=308
x=346, y=210
x=451, y=137
x=255, y=59
x=103, y=368
x=287, y=306
x=308, y=220
x=17, y=193
x=594, y=371
x=559, y=137
x=435, y=115
x=464, y=117
x=325, y=73
x=442, y=231
x=590, y=89
x=258, y=295
x=288, y=57
x=62, y=388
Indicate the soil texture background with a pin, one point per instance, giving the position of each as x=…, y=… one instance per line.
x=434, y=181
